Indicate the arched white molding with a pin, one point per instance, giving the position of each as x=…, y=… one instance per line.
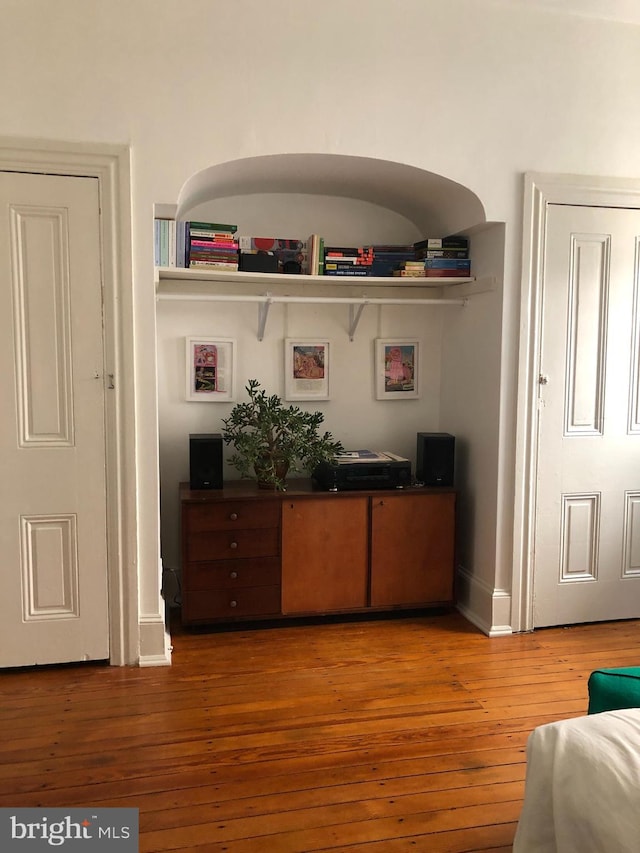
x=432, y=202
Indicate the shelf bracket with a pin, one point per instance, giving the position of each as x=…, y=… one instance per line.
x=354, y=317
x=263, y=314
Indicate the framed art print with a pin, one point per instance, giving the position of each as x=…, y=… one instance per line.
x=397, y=369
x=306, y=369
x=210, y=369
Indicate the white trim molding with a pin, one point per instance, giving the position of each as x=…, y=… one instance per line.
x=487, y=608
x=110, y=165
x=541, y=190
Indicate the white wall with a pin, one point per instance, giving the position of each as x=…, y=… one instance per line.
x=475, y=90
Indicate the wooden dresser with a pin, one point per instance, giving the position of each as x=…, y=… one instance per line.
x=250, y=554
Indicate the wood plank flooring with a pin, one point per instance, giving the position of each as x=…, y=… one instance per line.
x=379, y=736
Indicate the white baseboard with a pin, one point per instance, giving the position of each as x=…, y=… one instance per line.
x=487, y=608
x=155, y=642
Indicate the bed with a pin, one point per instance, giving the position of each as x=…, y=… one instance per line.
x=582, y=791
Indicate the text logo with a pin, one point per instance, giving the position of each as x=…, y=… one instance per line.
x=36, y=829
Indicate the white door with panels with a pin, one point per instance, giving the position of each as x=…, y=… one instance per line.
x=587, y=528
x=53, y=508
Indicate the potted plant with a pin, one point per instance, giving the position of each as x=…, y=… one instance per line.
x=272, y=440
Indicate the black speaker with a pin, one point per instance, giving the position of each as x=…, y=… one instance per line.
x=205, y=461
x=435, y=458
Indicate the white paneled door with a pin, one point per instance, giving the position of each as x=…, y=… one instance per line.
x=587, y=535
x=52, y=433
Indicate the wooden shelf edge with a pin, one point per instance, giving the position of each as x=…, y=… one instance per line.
x=189, y=275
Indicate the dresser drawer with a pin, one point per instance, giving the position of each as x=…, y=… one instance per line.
x=233, y=574
x=232, y=544
x=232, y=515
x=208, y=605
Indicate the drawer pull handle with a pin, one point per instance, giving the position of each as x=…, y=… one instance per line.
x=233, y=545
x=233, y=603
x=233, y=575
x=234, y=516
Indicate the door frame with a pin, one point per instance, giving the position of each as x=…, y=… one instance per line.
x=110, y=165
x=541, y=190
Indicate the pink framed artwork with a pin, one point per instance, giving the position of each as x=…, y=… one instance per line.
x=397, y=369
x=210, y=369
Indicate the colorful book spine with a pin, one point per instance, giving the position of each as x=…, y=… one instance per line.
x=355, y=272
x=214, y=265
x=205, y=236
x=212, y=226
x=444, y=274
x=181, y=227
x=451, y=242
x=460, y=267
x=313, y=249
x=214, y=244
x=332, y=264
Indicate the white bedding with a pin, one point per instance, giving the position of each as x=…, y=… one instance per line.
x=582, y=790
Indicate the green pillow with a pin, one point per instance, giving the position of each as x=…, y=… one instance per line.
x=613, y=689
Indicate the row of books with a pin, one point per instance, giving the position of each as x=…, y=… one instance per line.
x=206, y=245
x=433, y=257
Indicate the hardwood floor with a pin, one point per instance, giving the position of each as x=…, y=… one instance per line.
x=379, y=736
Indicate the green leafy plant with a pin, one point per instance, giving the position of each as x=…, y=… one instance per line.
x=272, y=440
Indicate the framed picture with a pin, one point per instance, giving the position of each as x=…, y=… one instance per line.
x=210, y=369
x=306, y=369
x=397, y=369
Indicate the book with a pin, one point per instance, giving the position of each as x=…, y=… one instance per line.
x=212, y=226
x=345, y=252
x=457, y=266
x=222, y=244
x=332, y=264
x=363, y=252
x=451, y=242
x=219, y=256
x=213, y=265
x=156, y=242
x=355, y=272
x=164, y=242
x=172, y=243
x=212, y=236
x=181, y=228
x=430, y=273
x=384, y=248
x=442, y=253
x=313, y=248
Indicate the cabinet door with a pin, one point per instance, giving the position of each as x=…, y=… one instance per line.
x=324, y=554
x=412, y=549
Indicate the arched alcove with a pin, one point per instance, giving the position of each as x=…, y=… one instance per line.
x=348, y=201
x=331, y=194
